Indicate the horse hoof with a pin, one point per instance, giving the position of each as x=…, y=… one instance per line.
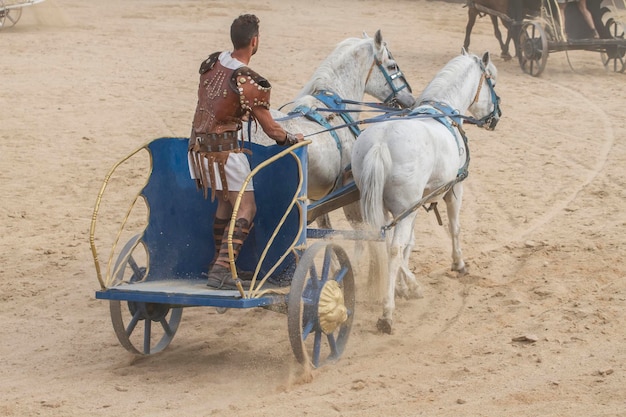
x=384, y=326
x=506, y=56
x=460, y=268
x=416, y=293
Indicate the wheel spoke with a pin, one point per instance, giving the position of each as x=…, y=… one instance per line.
x=137, y=271
x=533, y=59
x=317, y=348
x=166, y=327
x=146, y=337
x=328, y=257
x=341, y=274
x=306, y=329
x=332, y=344
x=133, y=323
x=314, y=276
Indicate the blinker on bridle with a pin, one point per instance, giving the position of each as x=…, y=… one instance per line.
x=491, y=120
x=390, y=78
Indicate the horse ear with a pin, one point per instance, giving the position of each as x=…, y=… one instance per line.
x=486, y=58
x=463, y=51
x=365, y=35
x=378, y=38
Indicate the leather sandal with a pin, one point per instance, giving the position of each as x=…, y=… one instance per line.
x=221, y=278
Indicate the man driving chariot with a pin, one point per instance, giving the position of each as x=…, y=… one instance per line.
x=228, y=93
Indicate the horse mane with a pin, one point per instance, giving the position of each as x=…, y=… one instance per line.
x=325, y=74
x=447, y=84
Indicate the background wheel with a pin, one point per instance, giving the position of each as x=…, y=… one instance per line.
x=533, y=45
x=321, y=304
x=142, y=328
x=9, y=17
x=614, y=58
x=605, y=12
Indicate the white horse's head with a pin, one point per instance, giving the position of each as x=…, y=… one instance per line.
x=467, y=82
x=358, y=66
x=485, y=105
x=384, y=79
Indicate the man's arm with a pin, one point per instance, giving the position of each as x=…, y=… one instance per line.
x=273, y=129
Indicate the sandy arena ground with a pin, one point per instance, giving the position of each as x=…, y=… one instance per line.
x=85, y=82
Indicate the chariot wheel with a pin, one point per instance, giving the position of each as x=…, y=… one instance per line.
x=142, y=328
x=614, y=57
x=321, y=304
x=603, y=14
x=9, y=17
x=533, y=45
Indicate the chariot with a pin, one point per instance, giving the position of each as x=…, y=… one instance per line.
x=11, y=11
x=159, y=258
x=535, y=26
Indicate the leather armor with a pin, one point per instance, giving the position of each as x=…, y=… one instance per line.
x=225, y=97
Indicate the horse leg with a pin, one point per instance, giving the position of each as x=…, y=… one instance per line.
x=323, y=222
x=496, y=30
x=398, y=265
x=472, y=12
x=509, y=36
x=453, y=201
x=352, y=212
x=408, y=287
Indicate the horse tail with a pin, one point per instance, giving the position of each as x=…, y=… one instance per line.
x=376, y=167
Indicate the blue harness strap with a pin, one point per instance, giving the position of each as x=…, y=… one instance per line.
x=333, y=102
x=451, y=119
x=313, y=115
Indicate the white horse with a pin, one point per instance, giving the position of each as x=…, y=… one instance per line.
x=403, y=164
x=357, y=66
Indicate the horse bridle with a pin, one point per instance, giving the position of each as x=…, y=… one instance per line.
x=390, y=78
x=491, y=120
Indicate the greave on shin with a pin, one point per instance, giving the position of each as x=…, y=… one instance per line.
x=240, y=233
x=219, y=228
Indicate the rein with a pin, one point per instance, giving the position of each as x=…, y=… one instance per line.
x=389, y=114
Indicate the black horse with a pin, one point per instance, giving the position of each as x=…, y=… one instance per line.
x=510, y=12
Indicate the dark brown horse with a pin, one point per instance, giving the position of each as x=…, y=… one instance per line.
x=510, y=12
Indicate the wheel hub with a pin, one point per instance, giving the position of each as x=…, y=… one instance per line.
x=332, y=311
x=148, y=311
x=532, y=49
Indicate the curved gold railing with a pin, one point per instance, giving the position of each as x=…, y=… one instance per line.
x=254, y=289
x=107, y=281
x=255, y=286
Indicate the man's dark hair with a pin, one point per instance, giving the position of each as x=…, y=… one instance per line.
x=243, y=29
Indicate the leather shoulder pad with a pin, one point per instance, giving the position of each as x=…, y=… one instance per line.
x=208, y=63
x=253, y=90
x=247, y=73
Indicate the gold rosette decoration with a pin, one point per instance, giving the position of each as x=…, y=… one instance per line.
x=332, y=311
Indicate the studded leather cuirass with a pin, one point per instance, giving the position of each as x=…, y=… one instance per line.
x=225, y=96
x=218, y=107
